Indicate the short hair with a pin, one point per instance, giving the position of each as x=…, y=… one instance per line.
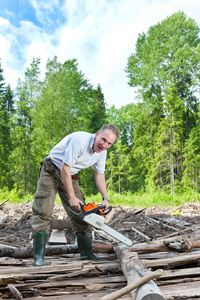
x=111, y=127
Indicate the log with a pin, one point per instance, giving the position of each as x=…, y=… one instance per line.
x=1, y=204
x=60, y=224
x=182, y=231
x=15, y=292
x=155, y=246
x=162, y=224
x=129, y=288
x=105, y=235
x=27, y=252
x=173, y=262
x=133, y=270
x=140, y=233
x=191, y=237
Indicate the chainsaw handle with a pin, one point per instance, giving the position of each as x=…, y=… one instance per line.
x=96, y=210
x=107, y=211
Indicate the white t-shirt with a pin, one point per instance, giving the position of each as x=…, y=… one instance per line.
x=76, y=151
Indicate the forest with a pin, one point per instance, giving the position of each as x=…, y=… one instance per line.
x=159, y=144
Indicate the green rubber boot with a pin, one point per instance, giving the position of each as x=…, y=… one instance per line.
x=39, y=242
x=84, y=241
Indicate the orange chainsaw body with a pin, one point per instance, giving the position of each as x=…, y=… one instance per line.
x=90, y=206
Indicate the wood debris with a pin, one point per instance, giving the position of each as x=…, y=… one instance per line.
x=161, y=242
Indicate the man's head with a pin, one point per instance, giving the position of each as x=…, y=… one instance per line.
x=105, y=137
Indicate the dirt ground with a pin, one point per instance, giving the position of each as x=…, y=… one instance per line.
x=15, y=222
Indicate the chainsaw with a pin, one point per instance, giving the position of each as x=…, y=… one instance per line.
x=94, y=215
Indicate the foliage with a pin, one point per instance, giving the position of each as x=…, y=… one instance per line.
x=191, y=163
x=165, y=69
x=6, y=113
x=157, y=156
x=23, y=156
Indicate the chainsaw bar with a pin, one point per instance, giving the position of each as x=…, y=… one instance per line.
x=98, y=222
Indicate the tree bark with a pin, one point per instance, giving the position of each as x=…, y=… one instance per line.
x=27, y=252
x=134, y=270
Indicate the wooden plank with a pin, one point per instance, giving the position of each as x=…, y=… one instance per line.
x=188, y=272
x=191, y=289
x=172, y=262
x=72, y=265
x=164, y=255
x=177, y=280
x=85, y=296
x=57, y=237
x=80, y=285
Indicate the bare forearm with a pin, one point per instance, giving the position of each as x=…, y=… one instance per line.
x=101, y=184
x=67, y=181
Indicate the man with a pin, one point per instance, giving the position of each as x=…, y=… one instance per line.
x=76, y=151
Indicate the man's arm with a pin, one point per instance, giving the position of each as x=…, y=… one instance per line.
x=101, y=185
x=67, y=180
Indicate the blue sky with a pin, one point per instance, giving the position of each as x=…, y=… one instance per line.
x=100, y=34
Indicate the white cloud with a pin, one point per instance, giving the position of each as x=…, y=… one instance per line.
x=12, y=75
x=5, y=45
x=100, y=34
x=4, y=22
x=43, y=8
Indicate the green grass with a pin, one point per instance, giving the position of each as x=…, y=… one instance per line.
x=140, y=200
x=136, y=200
x=14, y=196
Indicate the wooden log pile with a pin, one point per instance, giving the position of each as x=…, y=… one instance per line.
x=70, y=277
x=165, y=268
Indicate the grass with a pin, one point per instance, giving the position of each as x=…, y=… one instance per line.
x=14, y=196
x=140, y=200
x=137, y=200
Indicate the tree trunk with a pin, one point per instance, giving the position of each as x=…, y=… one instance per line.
x=133, y=270
x=27, y=252
x=171, y=162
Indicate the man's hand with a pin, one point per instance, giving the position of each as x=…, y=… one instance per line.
x=106, y=204
x=75, y=202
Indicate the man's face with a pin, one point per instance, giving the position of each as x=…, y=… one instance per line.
x=103, y=140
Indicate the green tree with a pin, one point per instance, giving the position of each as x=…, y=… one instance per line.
x=118, y=170
x=165, y=68
x=61, y=108
x=191, y=176
x=97, y=111
x=168, y=149
x=97, y=116
x=169, y=51
x=6, y=111
x=23, y=156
